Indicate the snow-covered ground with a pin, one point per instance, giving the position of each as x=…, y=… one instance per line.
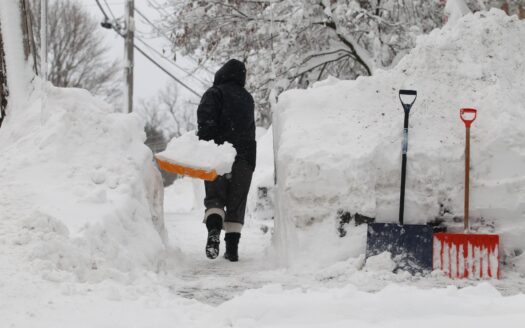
x=188, y=290
x=83, y=242
x=192, y=291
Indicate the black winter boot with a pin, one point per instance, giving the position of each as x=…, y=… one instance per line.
x=214, y=225
x=232, y=246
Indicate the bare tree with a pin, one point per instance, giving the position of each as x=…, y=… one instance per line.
x=77, y=53
x=168, y=114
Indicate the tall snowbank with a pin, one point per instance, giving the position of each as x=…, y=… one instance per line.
x=80, y=195
x=260, y=199
x=339, y=143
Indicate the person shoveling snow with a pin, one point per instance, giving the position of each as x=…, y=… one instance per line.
x=224, y=156
x=226, y=114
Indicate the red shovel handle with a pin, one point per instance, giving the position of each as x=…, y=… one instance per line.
x=463, y=111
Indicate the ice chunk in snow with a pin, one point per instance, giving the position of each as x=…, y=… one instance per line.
x=380, y=262
x=187, y=150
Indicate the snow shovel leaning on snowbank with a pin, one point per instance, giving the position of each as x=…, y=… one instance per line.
x=409, y=244
x=467, y=255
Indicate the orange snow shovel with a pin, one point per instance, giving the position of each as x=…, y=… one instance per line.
x=185, y=170
x=467, y=255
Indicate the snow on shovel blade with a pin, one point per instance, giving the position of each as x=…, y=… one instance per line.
x=184, y=170
x=466, y=255
x=410, y=245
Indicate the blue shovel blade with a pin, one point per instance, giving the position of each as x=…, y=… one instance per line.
x=409, y=244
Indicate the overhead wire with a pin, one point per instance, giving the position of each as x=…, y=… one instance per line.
x=102, y=10
x=162, y=33
x=166, y=71
x=155, y=5
x=153, y=61
x=163, y=12
x=189, y=74
x=152, y=25
x=110, y=11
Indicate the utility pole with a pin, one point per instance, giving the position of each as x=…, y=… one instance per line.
x=129, y=47
x=27, y=31
x=43, y=39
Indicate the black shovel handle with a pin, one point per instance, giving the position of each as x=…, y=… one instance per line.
x=406, y=107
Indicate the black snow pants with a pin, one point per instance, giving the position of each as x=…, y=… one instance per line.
x=227, y=195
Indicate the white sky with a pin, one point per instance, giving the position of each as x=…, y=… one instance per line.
x=148, y=78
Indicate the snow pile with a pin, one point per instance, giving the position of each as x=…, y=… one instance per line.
x=339, y=145
x=394, y=306
x=188, y=151
x=455, y=9
x=81, y=197
x=381, y=262
x=260, y=204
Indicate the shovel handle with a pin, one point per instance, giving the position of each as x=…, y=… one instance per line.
x=468, y=123
x=463, y=111
x=407, y=106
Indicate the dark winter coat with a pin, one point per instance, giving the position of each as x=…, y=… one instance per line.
x=226, y=112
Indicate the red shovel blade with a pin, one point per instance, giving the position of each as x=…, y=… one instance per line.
x=471, y=256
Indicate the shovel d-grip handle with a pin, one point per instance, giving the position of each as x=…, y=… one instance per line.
x=463, y=111
x=407, y=106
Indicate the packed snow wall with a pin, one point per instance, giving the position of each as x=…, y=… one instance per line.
x=80, y=197
x=339, y=143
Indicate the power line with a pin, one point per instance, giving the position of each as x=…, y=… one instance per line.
x=167, y=72
x=149, y=57
x=153, y=25
x=157, y=7
x=102, y=10
x=110, y=11
x=168, y=39
x=169, y=60
x=163, y=34
x=111, y=3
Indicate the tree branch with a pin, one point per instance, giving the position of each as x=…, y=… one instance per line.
x=331, y=24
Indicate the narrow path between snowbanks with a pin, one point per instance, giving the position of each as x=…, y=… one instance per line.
x=217, y=281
